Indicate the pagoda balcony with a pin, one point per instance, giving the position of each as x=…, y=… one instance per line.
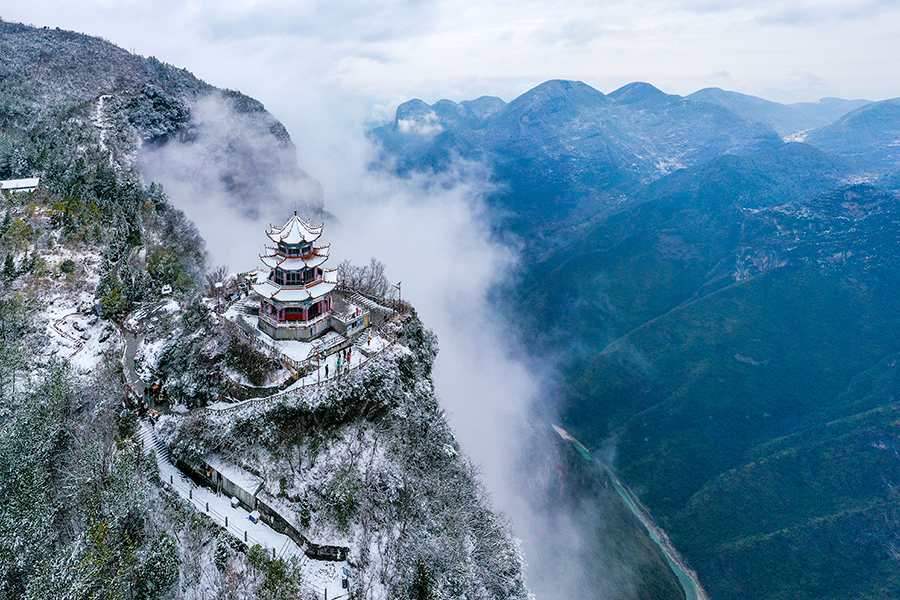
x=315, y=251
x=298, y=322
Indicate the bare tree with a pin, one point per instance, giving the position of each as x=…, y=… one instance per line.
x=369, y=279
x=214, y=277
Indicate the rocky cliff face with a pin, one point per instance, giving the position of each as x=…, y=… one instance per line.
x=369, y=462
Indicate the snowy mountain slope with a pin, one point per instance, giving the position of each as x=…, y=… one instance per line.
x=82, y=510
x=59, y=86
x=566, y=150
x=786, y=119
x=369, y=462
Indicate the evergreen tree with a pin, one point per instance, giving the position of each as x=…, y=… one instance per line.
x=9, y=268
x=7, y=221
x=12, y=323
x=159, y=572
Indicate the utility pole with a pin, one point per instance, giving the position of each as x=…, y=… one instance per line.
x=399, y=295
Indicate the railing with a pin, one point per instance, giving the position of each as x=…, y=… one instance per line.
x=302, y=364
x=305, y=386
x=276, y=323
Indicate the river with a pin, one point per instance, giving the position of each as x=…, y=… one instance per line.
x=686, y=577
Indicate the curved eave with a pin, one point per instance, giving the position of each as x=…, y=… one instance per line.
x=295, y=263
x=292, y=264
x=320, y=289
x=294, y=231
x=266, y=289
x=294, y=294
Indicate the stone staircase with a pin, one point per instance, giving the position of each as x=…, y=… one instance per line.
x=357, y=298
x=151, y=443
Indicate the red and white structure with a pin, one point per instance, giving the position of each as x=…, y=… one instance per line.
x=295, y=299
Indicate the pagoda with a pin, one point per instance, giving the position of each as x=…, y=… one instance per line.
x=295, y=299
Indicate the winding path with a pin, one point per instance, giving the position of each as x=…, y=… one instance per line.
x=132, y=342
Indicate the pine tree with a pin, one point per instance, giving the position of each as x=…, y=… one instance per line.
x=160, y=569
x=9, y=268
x=7, y=220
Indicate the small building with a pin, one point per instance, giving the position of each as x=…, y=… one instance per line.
x=231, y=480
x=296, y=296
x=348, y=319
x=247, y=489
x=20, y=185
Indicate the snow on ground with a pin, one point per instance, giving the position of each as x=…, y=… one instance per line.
x=318, y=576
x=92, y=351
x=317, y=377
x=86, y=260
x=374, y=343
x=233, y=473
x=147, y=356
x=294, y=349
x=73, y=335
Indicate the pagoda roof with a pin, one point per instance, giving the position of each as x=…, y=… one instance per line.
x=295, y=231
x=314, y=290
x=295, y=263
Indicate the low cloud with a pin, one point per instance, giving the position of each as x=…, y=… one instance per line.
x=433, y=232
x=425, y=125
x=229, y=171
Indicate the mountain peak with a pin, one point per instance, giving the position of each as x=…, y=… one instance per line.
x=557, y=96
x=564, y=87
x=637, y=91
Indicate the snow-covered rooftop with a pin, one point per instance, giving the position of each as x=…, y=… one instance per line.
x=295, y=231
x=20, y=185
x=319, y=289
x=295, y=264
x=246, y=481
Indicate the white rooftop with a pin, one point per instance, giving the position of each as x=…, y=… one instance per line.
x=15, y=185
x=295, y=231
x=246, y=481
x=270, y=290
x=296, y=263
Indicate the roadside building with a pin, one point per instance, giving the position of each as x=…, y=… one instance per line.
x=20, y=185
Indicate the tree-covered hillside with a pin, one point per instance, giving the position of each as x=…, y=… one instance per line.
x=717, y=311
x=60, y=88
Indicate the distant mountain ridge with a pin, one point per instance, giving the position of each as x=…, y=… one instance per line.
x=719, y=306
x=568, y=135
x=869, y=136
x=786, y=119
